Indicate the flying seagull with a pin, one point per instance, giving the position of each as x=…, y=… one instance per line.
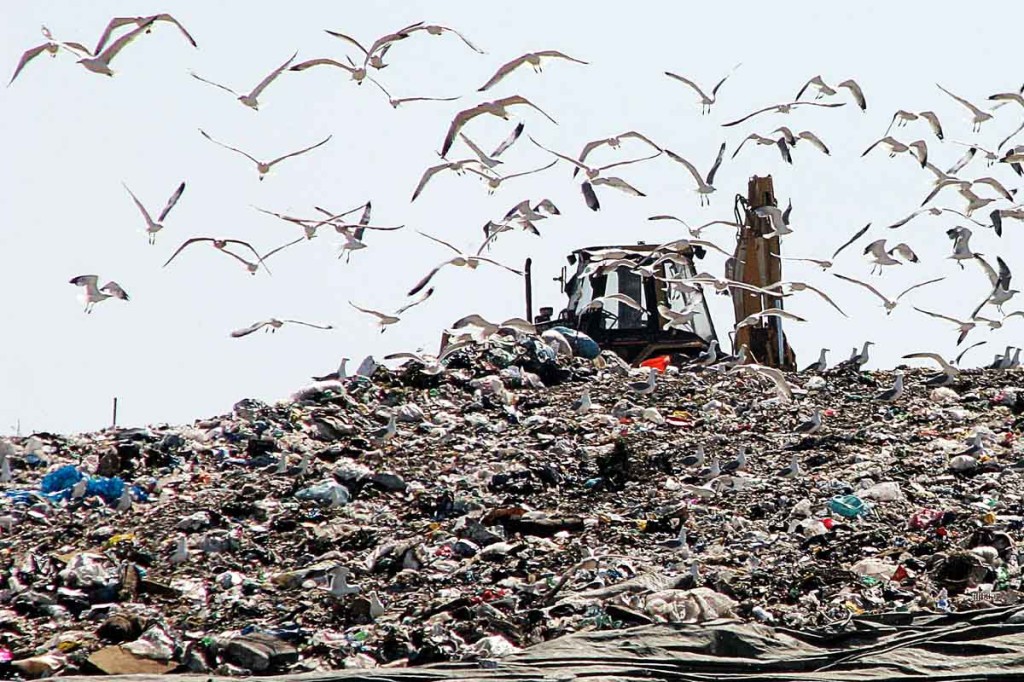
x=435, y=30
x=705, y=186
x=780, y=144
x=497, y=108
x=251, y=99
x=1000, y=282
x=889, y=304
x=263, y=167
x=272, y=325
x=100, y=63
x=882, y=257
x=594, y=177
x=221, y=245
x=614, y=143
x=146, y=22
x=823, y=90
x=531, y=58
x=94, y=294
x=783, y=109
x=457, y=167
x=52, y=47
x=792, y=139
x=154, y=226
x=917, y=148
x=380, y=45
x=782, y=387
x=947, y=374
x=705, y=100
x=902, y=117
x=857, y=235
x=964, y=327
x=462, y=259
x=750, y=320
x=978, y=116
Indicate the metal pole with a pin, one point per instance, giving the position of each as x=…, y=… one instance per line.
x=528, y=276
x=114, y=424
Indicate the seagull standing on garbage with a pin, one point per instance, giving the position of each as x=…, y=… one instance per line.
x=385, y=433
x=892, y=394
x=695, y=460
x=811, y=425
x=180, y=554
x=339, y=586
x=583, y=403
x=861, y=359
x=793, y=470
x=679, y=543
x=819, y=365
x=713, y=471
x=644, y=387
x=738, y=464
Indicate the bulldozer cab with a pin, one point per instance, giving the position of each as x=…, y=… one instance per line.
x=635, y=335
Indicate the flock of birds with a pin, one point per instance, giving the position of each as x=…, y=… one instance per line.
x=965, y=194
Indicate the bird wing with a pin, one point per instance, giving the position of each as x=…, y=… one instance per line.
x=587, y=148
x=523, y=205
x=751, y=115
x=1007, y=138
x=348, y=39
x=941, y=317
x=964, y=160
x=270, y=253
x=825, y=296
x=87, y=281
x=874, y=144
x=858, y=94
x=621, y=298
x=867, y=286
x=503, y=71
x=440, y=241
x=113, y=25
x=168, y=18
x=310, y=324
x=237, y=151
x=445, y=29
x=114, y=289
x=186, y=243
x=857, y=235
x=905, y=251
x=558, y=55
x=714, y=168
x=529, y=172
x=500, y=265
x=379, y=315
x=209, y=82
x=518, y=99
x=687, y=81
x=921, y=147
x=320, y=61
x=784, y=150
x=590, y=197
x=997, y=186
x=426, y=294
x=629, y=161
x=776, y=376
x=689, y=166
x=748, y=138
x=145, y=213
x=244, y=261
x=302, y=151
x=119, y=44
x=479, y=152
x=246, y=245
x=918, y=285
x=933, y=121
x=933, y=356
x=403, y=100
x=239, y=333
x=26, y=57
x=670, y=217
x=427, y=174
x=1004, y=273
x=559, y=155
x=975, y=110
x=460, y=120
x=990, y=272
x=906, y=220
x=620, y=184
x=509, y=141
x=170, y=202
x=816, y=141
x=813, y=81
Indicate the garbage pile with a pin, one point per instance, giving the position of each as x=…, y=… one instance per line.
x=512, y=495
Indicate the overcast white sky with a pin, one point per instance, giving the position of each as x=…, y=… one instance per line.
x=70, y=138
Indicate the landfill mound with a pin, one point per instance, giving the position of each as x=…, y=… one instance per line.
x=497, y=516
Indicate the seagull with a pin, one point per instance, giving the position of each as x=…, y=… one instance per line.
x=947, y=374
x=705, y=186
x=889, y=304
x=793, y=470
x=710, y=472
x=435, y=30
x=594, y=178
x=892, y=394
x=710, y=356
x=357, y=73
x=385, y=319
x=823, y=264
x=583, y=403
x=154, y=226
x=861, y=359
x=998, y=215
x=396, y=102
x=221, y=245
x=963, y=327
x=694, y=460
x=705, y=100
x=676, y=319
x=917, y=148
x=94, y=294
x=695, y=232
x=803, y=286
x=819, y=365
x=457, y=167
x=272, y=325
x=460, y=260
x=775, y=216
x=263, y=167
x=740, y=463
x=961, y=237
x=792, y=139
x=857, y=235
x=770, y=312
x=494, y=180
x=613, y=142
x=100, y=63
x=901, y=118
x=180, y=554
x=381, y=45
x=385, y=433
x=52, y=47
x=825, y=90
x=931, y=211
x=531, y=58
x=783, y=109
x=978, y=117
x=782, y=387
x=497, y=108
x=780, y=143
x=337, y=375
x=144, y=22
x=338, y=585
x=645, y=387
x=1001, y=291
x=251, y=99
x=882, y=257
x=678, y=543
x=810, y=426
x=599, y=302
x=966, y=185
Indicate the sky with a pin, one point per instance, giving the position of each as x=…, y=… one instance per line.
x=71, y=138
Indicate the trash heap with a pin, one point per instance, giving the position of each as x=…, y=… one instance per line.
x=501, y=511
